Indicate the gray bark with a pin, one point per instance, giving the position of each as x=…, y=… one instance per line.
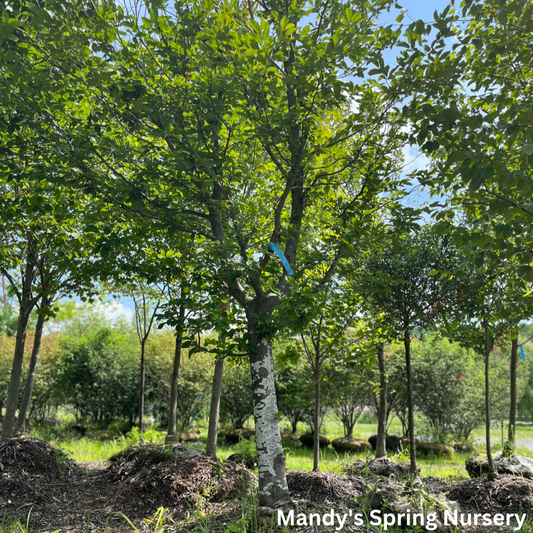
x=381, y=443
x=316, y=415
x=512, y=410
x=271, y=461
x=413, y=470
x=27, y=303
x=214, y=410
x=487, y=397
x=174, y=384
x=16, y=373
x=30, y=381
x=141, y=391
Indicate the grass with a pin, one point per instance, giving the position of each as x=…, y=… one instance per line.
x=98, y=446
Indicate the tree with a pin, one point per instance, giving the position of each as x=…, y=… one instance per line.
x=400, y=281
x=98, y=378
x=236, y=400
x=326, y=336
x=292, y=385
x=472, y=117
x=181, y=107
x=438, y=388
x=146, y=305
x=45, y=256
x=347, y=390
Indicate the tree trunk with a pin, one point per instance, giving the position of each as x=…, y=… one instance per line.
x=316, y=418
x=294, y=426
x=16, y=372
x=214, y=410
x=173, y=408
x=512, y=411
x=381, y=443
x=28, y=390
x=141, y=392
x=413, y=470
x=487, y=399
x=271, y=461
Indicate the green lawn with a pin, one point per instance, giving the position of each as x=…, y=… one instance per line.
x=99, y=446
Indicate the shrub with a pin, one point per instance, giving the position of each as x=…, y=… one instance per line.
x=236, y=401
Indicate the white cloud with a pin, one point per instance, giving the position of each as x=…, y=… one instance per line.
x=113, y=310
x=413, y=159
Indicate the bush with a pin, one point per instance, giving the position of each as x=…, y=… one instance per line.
x=236, y=401
x=98, y=377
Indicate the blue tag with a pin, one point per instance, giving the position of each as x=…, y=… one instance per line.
x=522, y=352
x=281, y=255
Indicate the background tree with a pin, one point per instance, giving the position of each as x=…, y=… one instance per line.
x=400, y=282
x=347, y=389
x=236, y=400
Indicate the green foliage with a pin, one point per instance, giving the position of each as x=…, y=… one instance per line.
x=473, y=117
x=97, y=377
x=347, y=388
x=447, y=388
x=8, y=319
x=401, y=281
x=294, y=383
x=236, y=402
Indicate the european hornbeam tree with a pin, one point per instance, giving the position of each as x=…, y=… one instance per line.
x=236, y=124
x=490, y=305
x=473, y=117
x=45, y=255
x=401, y=282
x=325, y=335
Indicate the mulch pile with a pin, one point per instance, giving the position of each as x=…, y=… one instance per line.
x=138, y=481
x=383, y=467
x=37, y=476
x=32, y=472
x=146, y=481
x=506, y=494
x=324, y=488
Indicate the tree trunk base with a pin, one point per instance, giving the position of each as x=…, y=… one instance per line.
x=171, y=439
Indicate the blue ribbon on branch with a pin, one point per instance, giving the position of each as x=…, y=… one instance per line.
x=281, y=255
x=522, y=352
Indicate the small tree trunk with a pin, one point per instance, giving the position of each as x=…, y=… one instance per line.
x=349, y=431
x=294, y=425
x=512, y=411
x=413, y=470
x=30, y=381
x=214, y=409
x=271, y=461
x=381, y=443
x=173, y=408
x=316, y=418
x=141, y=392
x=487, y=399
x=16, y=372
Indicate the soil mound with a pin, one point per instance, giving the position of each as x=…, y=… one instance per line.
x=146, y=479
x=324, y=488
x=382, y=467
x=25, y=458
x=507, y=494
x=31, y=472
